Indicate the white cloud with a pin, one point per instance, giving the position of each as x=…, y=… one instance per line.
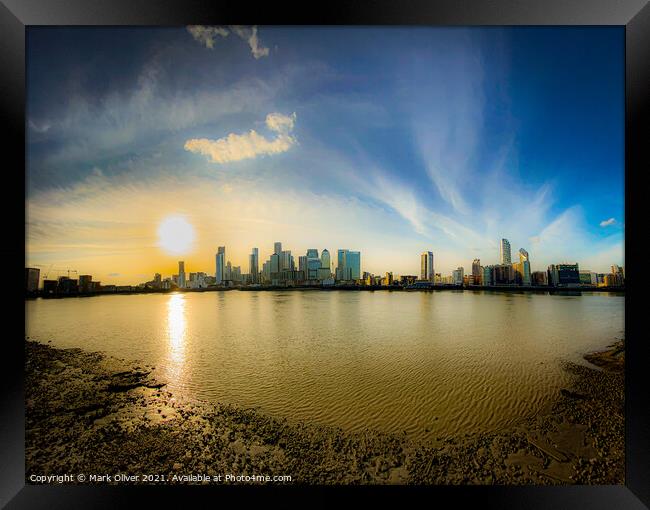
x=250, y=35
x=206, y=35
x=607, y=223
x=249, y=145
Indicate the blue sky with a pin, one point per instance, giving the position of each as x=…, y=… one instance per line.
x=388, y=140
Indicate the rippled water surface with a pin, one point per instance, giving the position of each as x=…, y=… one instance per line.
x=429, y=364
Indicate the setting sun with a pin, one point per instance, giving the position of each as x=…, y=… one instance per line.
x=175, y=235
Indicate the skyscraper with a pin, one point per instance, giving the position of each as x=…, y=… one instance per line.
x=353, y=264
x=286, y=261
x=302, y=266
x=277, y=248
x=504, y=252
x=477, y=272
x=274, y=263
x=313, y=264
x=325, y=261
x=254, y=264
x=524, y=264
x=349, y=265
x=181, y=274
x=426, y=266
x=325, y=270
x=340, y=265
x=220, y=265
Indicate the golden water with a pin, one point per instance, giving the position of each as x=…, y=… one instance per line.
x=430, y=364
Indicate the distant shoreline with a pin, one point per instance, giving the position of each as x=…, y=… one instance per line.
x=354, y=288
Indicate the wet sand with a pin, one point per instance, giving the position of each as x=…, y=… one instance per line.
x=92, y=414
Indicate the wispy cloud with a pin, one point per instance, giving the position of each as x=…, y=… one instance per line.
x=249, y=145
x=206, y=35
x=107, y=223
x=39, y=127
x=607, y=223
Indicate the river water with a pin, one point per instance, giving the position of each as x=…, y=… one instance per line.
x=428, y=364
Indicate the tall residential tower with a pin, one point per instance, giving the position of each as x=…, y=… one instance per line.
x=220, y=275
x=504, y=252
x=426, y=266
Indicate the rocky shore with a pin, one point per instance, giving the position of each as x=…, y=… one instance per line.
x=91, y=414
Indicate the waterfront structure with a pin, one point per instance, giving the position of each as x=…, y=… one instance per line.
x=503, y=274
x=265, y=274
x=67, y=286
x=458, y=275
x=504, y=252
x=219, y=275
x=313, y=264
x=85, y=283
x=353, y=262
x=32, y=277
x=405, y=280
x=618, y=276
x=588, y=278
x=341, y=273
x=564, y=275
x=486, y=278
x=50, y=287
x=524, y=267
x=349, y=265
x=181, y=274
x=253, y=266
x=274, y=263
x=302, y=263
x=477, y=272
x=325, y=270
x=286, y=261
x=539, y=278
x=426, y=266
x=325, y=262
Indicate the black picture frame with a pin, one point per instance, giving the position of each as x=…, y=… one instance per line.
x=634, y=15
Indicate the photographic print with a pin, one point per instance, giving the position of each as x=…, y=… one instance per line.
x=307, y=255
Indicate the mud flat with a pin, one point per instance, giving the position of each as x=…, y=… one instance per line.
x=92, y=414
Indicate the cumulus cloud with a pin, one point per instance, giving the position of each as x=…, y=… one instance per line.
x=249, y=145
x=206, y=35
x=607, y=223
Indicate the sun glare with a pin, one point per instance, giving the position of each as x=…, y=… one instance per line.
x=175, y=235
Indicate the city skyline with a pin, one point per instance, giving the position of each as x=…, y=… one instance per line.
x=292, y=138
x=347, y=267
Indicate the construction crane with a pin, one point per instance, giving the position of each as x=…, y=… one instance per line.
x=50, y=270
